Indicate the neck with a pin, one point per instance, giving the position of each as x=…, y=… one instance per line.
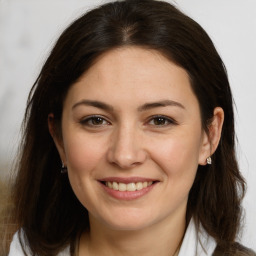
x=163, y=238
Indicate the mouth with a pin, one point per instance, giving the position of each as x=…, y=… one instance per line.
x=127, y=188
x=132, y=186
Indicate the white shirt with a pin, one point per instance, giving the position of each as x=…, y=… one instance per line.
x=194, y=244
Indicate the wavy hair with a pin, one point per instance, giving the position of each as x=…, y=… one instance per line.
x=45, y=205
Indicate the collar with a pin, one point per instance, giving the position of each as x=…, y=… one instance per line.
x=197, y=242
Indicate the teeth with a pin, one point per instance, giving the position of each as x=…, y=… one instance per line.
x=114, y=185
x=128, y=187
x=122, y=187
x=140, y=186
x=109, y=184
x=131, y=187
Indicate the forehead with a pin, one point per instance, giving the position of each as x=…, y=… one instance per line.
x=133, y=73
x=130, y=58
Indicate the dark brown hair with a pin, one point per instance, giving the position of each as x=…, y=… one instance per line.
x=45, y=205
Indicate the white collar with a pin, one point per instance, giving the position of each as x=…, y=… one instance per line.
x=196, y=242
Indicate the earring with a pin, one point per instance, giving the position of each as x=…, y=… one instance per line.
x=209, y=160
x=64, y=168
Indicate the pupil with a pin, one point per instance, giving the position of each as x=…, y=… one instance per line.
x=97, y=120
x=159, y=121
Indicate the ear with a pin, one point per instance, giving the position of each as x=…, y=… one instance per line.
x=56, y=138
x=211, y=139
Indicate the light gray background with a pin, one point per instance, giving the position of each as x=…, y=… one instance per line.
x=28, y=29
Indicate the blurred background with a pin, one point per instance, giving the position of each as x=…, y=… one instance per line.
x=29, y=28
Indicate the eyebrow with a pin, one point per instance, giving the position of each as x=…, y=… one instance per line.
x=94, y=103
x=163, y=103
x=144, y=107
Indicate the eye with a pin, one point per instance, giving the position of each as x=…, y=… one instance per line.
x=161, y=121
x=94, y=121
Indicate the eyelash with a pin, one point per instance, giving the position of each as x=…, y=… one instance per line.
x=169, y=120
x=89, y=121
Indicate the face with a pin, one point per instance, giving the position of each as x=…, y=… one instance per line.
x=132, y=139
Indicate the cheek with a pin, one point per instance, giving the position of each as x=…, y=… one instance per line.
x=83, y=156
x=82, y=153
x=178, y=159
x=178, y=156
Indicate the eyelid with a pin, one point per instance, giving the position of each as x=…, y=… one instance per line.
x=169, y=119
x=85, y=120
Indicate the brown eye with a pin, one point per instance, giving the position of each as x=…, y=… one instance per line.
x=161, y=121
x=94, y=121
x=97, y=121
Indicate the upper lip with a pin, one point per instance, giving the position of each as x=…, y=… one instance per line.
x=127, y=180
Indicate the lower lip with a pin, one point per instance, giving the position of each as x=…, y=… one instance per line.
x=127, y=195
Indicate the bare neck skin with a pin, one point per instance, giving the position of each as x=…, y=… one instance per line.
x=163, y=238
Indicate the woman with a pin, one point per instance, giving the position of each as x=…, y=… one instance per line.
x=129, y=141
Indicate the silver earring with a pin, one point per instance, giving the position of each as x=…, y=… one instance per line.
x=209, y=160
x=64, y=168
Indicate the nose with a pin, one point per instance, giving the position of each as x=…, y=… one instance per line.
x=126, y=148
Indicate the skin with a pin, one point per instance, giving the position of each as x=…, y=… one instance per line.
x=128, y=140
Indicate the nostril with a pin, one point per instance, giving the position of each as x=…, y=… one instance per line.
x=126, y=154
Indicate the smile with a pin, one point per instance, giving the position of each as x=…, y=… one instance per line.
x=128, y=187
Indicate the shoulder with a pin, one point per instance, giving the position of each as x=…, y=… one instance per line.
x=235, y=249
x=16, y=245
x=196, y=241
x=20, y=248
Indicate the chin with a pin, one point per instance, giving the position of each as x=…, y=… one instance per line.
x=127, y=222
x=129, y=226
